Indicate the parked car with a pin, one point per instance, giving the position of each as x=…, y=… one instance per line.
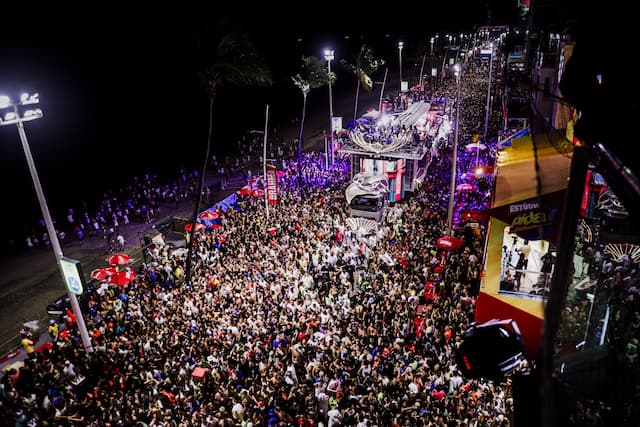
x=60, y=304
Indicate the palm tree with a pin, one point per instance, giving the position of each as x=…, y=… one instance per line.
x=233, y=61
x=363, y=66
x=314, y=74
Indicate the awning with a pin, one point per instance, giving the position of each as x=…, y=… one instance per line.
x=516, y=199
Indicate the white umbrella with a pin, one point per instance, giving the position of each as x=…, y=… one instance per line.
x=475, y=146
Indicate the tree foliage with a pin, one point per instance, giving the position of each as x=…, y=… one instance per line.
x=363, y=65
x=234, y=61
x=313, y=74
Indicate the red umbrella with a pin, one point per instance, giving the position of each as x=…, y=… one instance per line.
x=245, y=191
x=209, y=215
x=465, y=187
x=449, y=243
x=44, y=347
x=122, y=278
x=215, y=225
x=483, y=170
x=474, y=215
x=199, y=226
x=103, y=274
x=118, y=259
x=257, y=192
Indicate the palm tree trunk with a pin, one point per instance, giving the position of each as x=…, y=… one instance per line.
x=355, y=109
x=304, y=112
x=196, y=210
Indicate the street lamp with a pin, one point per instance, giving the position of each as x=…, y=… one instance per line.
x=400, y=46
x=328, y=56
x=14, y=117
x=486, y=114
x=431, y=41
x=457, y=70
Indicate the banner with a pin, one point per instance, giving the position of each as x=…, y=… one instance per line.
x=272, y=185
x=336, y=124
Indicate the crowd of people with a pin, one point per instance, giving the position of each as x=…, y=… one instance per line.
x=137, y=202
x=290, y=318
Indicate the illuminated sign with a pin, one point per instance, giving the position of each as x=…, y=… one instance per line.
x=528, y=215
x=528, y=220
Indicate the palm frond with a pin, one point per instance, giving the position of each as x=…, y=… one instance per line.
x=237, y=62
x=352, y=68
x=369, y=63
x=314, y=74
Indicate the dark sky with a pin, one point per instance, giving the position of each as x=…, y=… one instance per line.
x=120, y=97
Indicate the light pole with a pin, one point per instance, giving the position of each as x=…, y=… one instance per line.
x=457, y=70
x=14, y=117
x=400, y=46
x=486, y=114
x=431, y=41
x=328, y=56
x=424, y=57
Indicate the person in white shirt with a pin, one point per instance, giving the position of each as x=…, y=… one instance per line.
x=121, y=241
x=69, y=370
x=335, y=417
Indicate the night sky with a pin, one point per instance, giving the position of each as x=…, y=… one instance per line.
x=120, y=97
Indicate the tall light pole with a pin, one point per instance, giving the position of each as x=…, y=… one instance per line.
x=486, y=114
x=431, y=41
x=15, y=117
x=424, y=57
x=328, y=56
x=400, y=46
x=457, y=70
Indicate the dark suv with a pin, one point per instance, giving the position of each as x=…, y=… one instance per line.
x=60, y=304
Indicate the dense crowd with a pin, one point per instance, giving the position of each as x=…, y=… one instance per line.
x=290, y=318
